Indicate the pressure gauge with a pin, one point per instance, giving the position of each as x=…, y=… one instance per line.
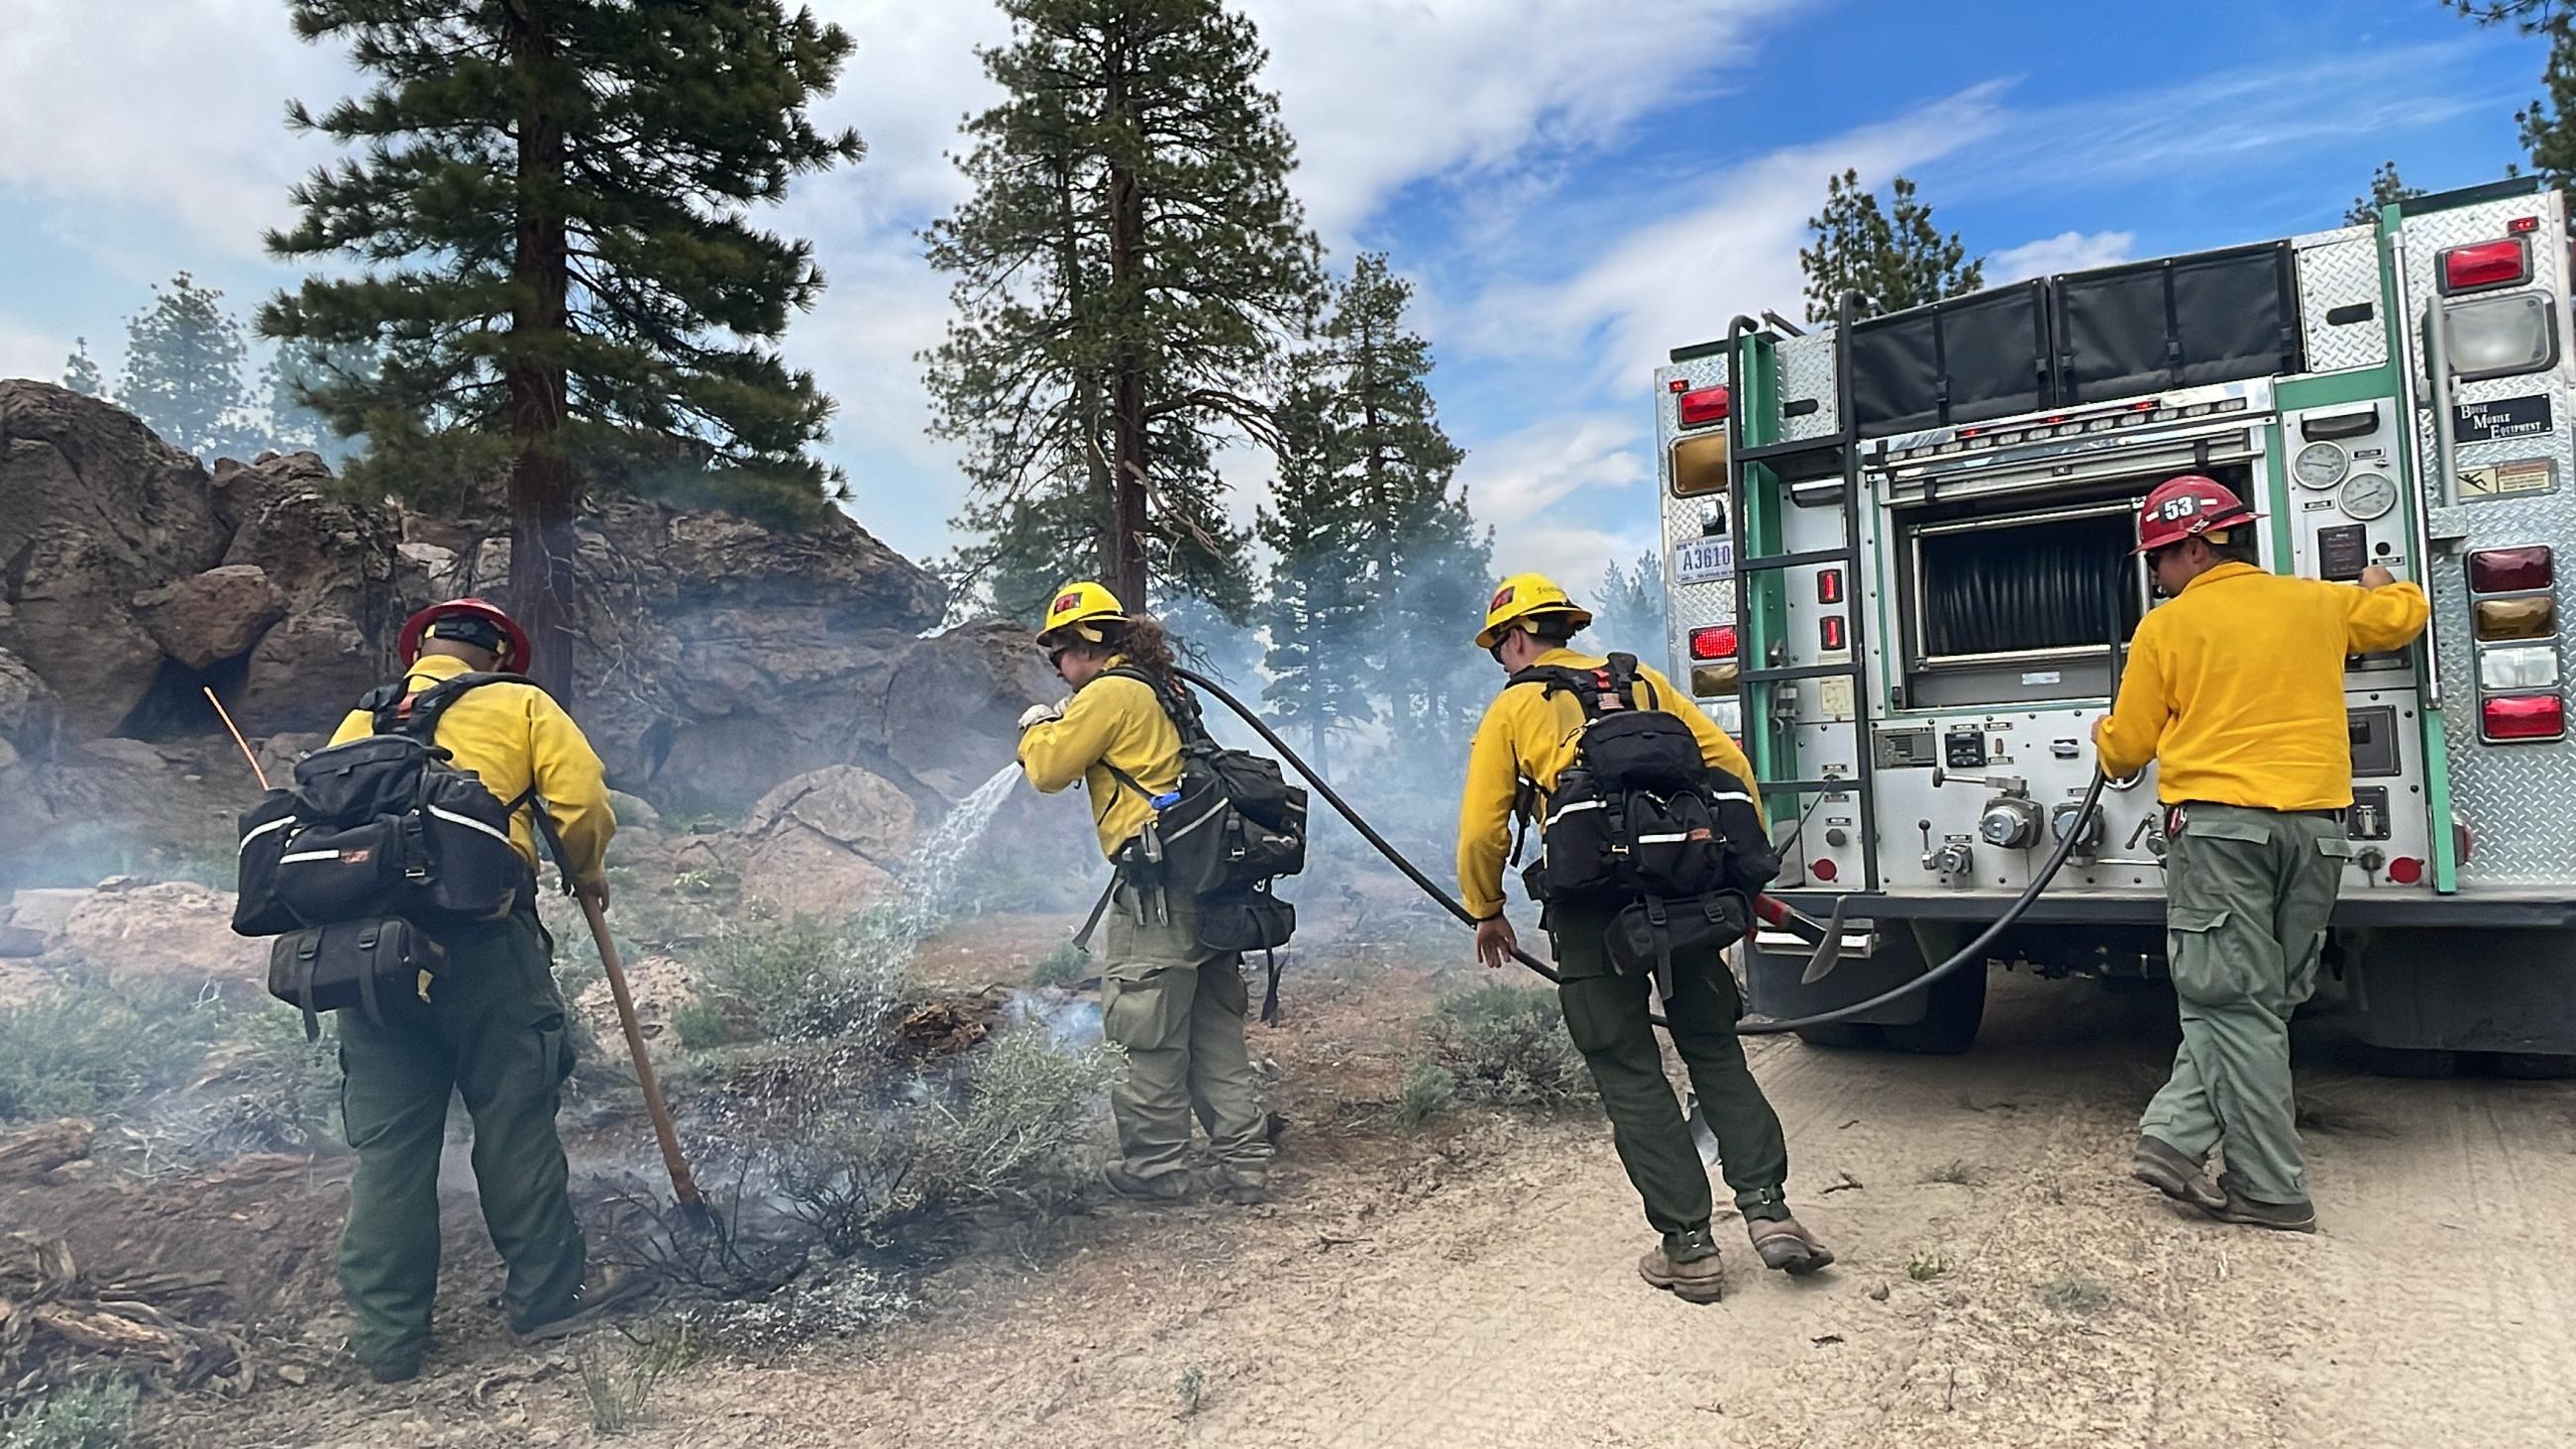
x=2319, y=465
x=2369, y=496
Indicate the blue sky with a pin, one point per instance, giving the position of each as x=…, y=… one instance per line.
x=1575, y=185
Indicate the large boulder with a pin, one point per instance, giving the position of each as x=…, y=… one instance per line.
x=953, y=704
x=337, y=562
x=93, y=510
x=827, y=843
x=213, y=616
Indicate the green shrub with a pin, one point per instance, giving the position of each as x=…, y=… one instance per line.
x=1507, y=1047
x=701, y=1024
x=1429, y=1090
x=92, y=1414
x=91, y=1044
x=804, y=981
x=1063, y=966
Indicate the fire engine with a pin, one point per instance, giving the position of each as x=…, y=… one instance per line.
x=1899, y=567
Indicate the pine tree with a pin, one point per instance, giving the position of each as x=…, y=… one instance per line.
x=80, y=374
x=552, y=199
x=2387, y=188
x=288, y=381
x=2549, y=122
x=1123, y=275
x=1318, y=607
x=1629, y=615
x=1895, y=257
x=183, y=369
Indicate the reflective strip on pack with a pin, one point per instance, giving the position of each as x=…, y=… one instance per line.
x=1731, y=795
x=1577, y=808
x=1209, y=814
x=1663, y=839
x=304, y=855
x=470, y=823
x=281, y=823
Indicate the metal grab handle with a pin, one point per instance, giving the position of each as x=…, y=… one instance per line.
x=2446, y=449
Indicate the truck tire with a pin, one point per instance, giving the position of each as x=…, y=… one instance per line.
x=1954, y=1008
x=1844, y=1036
x=2414, y=1063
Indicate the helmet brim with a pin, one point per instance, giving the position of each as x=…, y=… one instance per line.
x=416, y=628
x=2233, y=520
x=1493, y=633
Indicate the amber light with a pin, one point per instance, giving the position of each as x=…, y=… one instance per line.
x=2511, y=570
x=2533, y=617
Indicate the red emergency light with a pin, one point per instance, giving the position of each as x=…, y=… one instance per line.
x=2521, y=224
x=1824, y=870
x=1717, y=641
x=2486, y=264
x=1704, y=405
x=1679, y=384
x=2524, y=717
x=1829, y=586
x=2511, y=570
x=2405, y=870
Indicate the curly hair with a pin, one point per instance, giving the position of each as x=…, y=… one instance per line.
x=1143, y=642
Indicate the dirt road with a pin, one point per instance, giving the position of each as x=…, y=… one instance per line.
x=1492, y=1301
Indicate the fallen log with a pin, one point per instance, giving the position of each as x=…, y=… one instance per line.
x=32, y=1152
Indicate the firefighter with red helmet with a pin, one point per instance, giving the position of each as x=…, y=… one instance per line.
x=497, y=1033
x=2235, y=692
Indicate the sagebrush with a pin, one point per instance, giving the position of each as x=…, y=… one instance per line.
x=92, y=1414
x=1507, y=1047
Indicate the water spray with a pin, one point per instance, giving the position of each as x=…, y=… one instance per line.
x=1771, y=911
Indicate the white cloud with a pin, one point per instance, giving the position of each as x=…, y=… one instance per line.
x=2068, y=251
x=1383, y=93
x=28, y=352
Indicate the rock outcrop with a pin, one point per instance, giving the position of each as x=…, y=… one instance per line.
x=717, y=657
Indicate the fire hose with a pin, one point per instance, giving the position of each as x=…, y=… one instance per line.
x=1773, y=912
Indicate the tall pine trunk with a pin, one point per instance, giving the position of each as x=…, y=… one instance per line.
x=1086, y=386
x=543, y=495
x=1127, y=403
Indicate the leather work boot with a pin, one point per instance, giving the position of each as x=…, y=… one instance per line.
x=606, y=1288
x=398, y=1367
x=2166, y=1168
x=1684, y=1264
x=1786, y=1246
x=2287, y=1217
x=1162, y=1190
x=1235, y=1188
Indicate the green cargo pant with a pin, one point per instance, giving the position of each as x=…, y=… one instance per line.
x=2248, y=893
x=495, y=1033
x=1177, y=1010
x=1606, y=1014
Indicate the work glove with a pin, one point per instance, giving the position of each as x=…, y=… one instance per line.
x=1038, y=714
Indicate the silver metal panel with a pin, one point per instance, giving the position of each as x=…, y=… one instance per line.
x=1807, y=372
x=2519, y=800
x=2341, y=269
x=1686, y=606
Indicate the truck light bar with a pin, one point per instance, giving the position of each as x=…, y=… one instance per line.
x=1703, y=406
x=2523, y=717
x=2474, y=268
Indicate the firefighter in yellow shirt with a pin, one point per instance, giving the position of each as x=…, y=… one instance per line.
x=496, y=1033
x=1176, y=1008
x=2234, y=691
x=1528, y=739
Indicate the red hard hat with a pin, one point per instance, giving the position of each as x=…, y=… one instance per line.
x=2187, y=507
x=418, y=625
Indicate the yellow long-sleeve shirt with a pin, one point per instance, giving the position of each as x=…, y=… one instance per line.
x=2235, y=687
x=1113, y=720
x=514, y=735
x=1529, y=734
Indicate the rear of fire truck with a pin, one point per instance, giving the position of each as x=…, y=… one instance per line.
x=1899, y=566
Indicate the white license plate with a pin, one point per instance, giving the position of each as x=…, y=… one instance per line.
x=1704, y=561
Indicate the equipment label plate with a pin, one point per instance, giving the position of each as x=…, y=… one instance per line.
x=1704, y=561
x=2497, y=480
x=2508, y=417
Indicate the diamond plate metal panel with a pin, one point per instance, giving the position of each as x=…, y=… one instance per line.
x=1807, y=372
x=1686, y=606
x=2341, y=269
x=2519, y=800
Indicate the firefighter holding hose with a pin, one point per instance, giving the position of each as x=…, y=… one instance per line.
x=2235, y=691
x=1531, y=742
x=1176, y=1008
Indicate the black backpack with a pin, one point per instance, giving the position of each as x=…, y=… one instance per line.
x=1642, y=825
x=384, y=826
x=1236, y=828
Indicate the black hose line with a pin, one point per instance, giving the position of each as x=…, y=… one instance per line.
x=1972, y=952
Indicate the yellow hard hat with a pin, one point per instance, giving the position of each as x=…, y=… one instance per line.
x=1079, y=607
x=1524, y=596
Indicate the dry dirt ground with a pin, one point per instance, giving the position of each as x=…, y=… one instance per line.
x=2002, y=1283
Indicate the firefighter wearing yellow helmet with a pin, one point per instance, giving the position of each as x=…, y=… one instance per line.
x=1176, y=1009
x=1527, y=745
